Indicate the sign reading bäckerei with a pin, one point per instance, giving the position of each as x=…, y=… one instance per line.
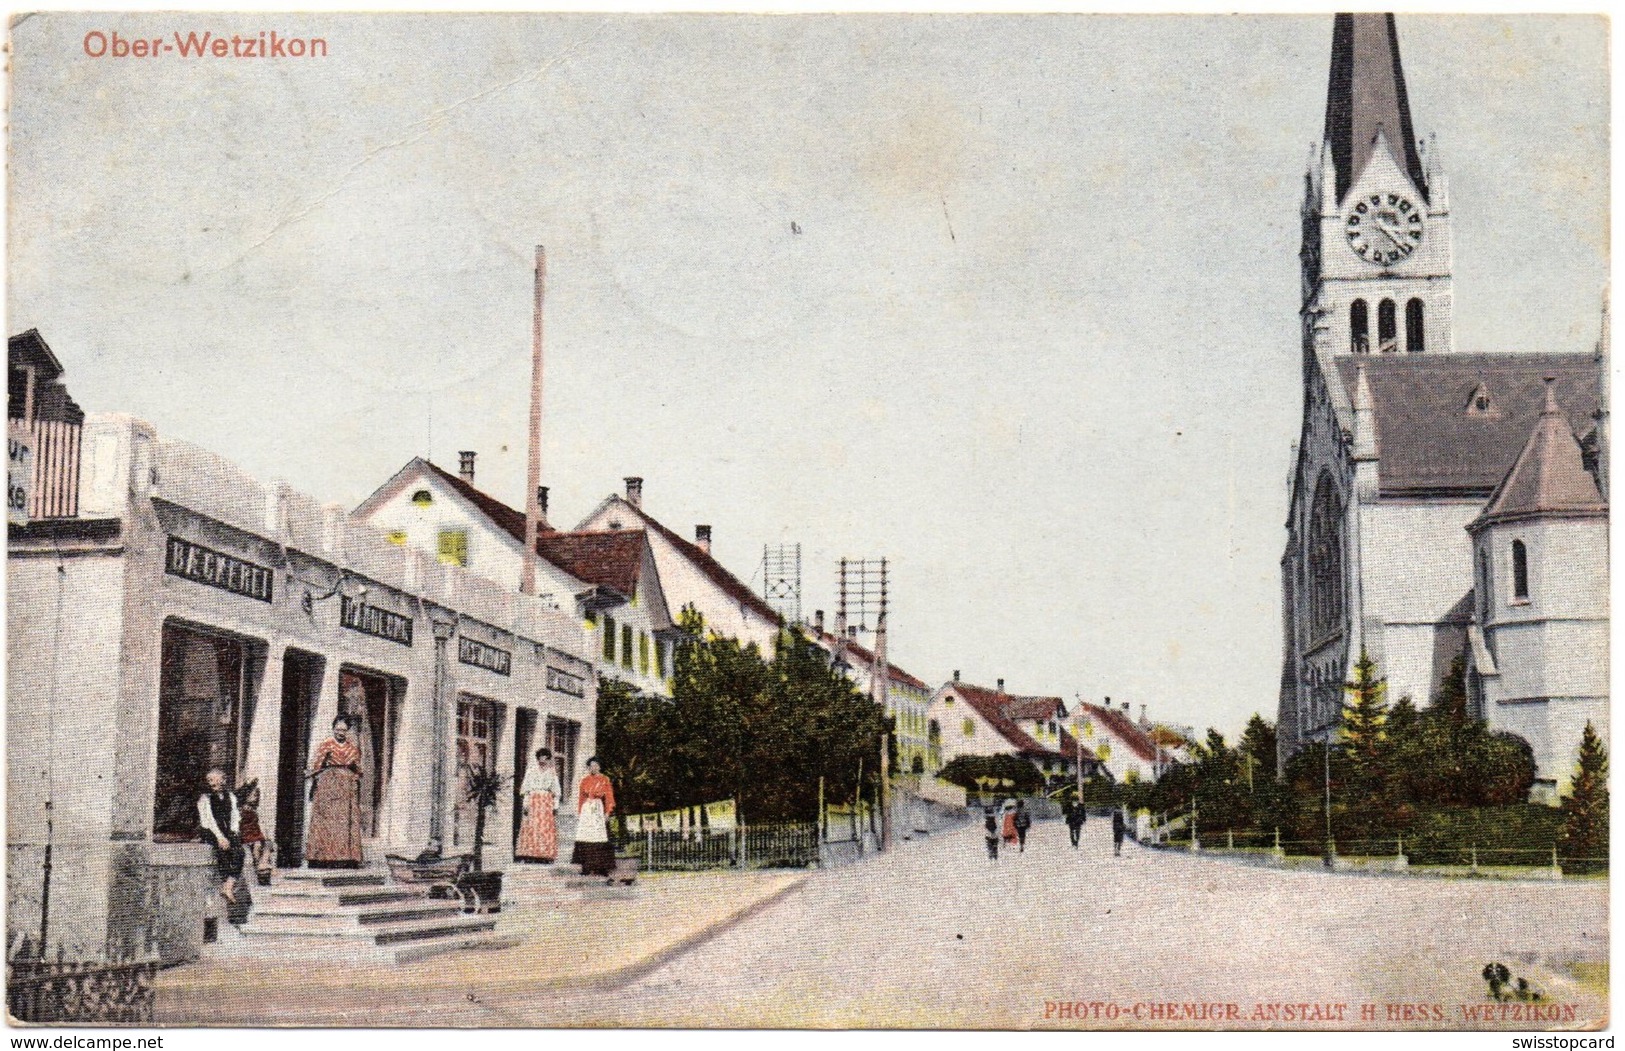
x=477, y=653
x=370, y=620
x=204, y=566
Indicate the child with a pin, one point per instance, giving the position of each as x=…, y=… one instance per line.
x=248, y=800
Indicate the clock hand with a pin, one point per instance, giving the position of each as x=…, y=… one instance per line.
x=1393, y=235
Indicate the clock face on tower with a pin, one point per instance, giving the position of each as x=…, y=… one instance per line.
x=1383, y=228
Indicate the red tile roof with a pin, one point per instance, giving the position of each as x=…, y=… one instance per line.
x=714, y=571
x=894, y=673
x=1125, y=730
x=610, y=559
x=505, y=517
x=996, y=708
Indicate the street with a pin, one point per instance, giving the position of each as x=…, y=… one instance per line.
x=937, y=936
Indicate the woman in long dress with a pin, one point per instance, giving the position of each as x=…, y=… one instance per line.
x=595, y=802
x=334, y=841
x=539, y=830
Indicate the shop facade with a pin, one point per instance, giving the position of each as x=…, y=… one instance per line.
x=190, y=617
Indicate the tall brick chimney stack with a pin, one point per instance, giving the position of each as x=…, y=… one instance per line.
x=702, y=537
x=634, y=492
x=465, y=466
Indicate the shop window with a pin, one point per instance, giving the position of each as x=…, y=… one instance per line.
x=202, y=724
x=609, y=638
x=1520, y=572
x=477, y=723
x=626, y=646
x=452, y=547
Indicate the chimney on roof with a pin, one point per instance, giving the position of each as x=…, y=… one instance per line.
x=634, y=492
x=702, y=538
x=1125, y=706
x=852, y=632
x=541, y=506
x=1143, y=720
x=818, y=621
x=956, y=675
x=465, y=466
x=1001, y=685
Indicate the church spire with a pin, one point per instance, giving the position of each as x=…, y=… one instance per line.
x=1367, y=96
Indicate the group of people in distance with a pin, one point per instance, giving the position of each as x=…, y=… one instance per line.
x=1010, y=823
x=229, y=820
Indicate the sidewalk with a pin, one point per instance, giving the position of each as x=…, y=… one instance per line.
x=566, y=939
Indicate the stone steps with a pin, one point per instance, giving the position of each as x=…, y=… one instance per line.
x=361, y=915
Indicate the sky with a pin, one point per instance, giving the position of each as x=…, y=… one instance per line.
x=1011, y=301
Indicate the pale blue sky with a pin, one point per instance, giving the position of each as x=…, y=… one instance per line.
x=1036, y=341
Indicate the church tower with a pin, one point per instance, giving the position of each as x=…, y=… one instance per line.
x=1376, y=214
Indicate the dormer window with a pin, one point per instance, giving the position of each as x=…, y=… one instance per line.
x=1479, y=402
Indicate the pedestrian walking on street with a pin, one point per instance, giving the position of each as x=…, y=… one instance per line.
x=1075, y=817
x=1119, y=828
x=1009, y=823
x=1024, y=821
x=991, y=831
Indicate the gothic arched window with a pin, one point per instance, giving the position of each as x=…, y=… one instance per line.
x=1387, y=327
x=1325, y=561
x=1359, y=328
x=1520, y=571
x=1413, y=327
x=1483, y=586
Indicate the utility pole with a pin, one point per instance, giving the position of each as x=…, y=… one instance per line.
x=533, y=473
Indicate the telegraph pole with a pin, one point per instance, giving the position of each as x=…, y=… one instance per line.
x=533, y=474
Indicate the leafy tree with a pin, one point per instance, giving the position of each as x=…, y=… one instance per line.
x=1585, y=808
x=963, y=771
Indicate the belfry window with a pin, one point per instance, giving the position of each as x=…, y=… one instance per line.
x=1359, y=328
x=1520, y=572
x=1413, y=327
x=1387, y=327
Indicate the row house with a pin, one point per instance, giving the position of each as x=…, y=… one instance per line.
x=908, y=699
x=189, y=616
x=607, y=579
x=978, y=721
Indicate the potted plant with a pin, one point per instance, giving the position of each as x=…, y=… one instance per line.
x=481, y=890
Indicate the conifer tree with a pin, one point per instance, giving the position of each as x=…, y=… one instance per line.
x=1365, y=714
x=1585, y=808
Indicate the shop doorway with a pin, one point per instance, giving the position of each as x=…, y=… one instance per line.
x=371, y=701
x=479, y=721
x=205, y=709
x=524, y=733
x=562, y=736
x=301, y=682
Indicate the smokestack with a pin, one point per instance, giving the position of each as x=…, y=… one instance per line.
x=465, y=466
x=634, y=492
x=702, y=535
x=541, y=506
x=818, y=621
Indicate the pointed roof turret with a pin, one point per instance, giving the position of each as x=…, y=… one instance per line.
x=1548, y=477
x=1367, y=94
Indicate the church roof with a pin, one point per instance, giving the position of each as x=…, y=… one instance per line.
x=1549, y=475
x=1367, y=93
x=1452, y=424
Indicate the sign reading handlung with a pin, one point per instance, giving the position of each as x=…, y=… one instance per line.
x=477, y=653
x=370, y=620
x=204, y=566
